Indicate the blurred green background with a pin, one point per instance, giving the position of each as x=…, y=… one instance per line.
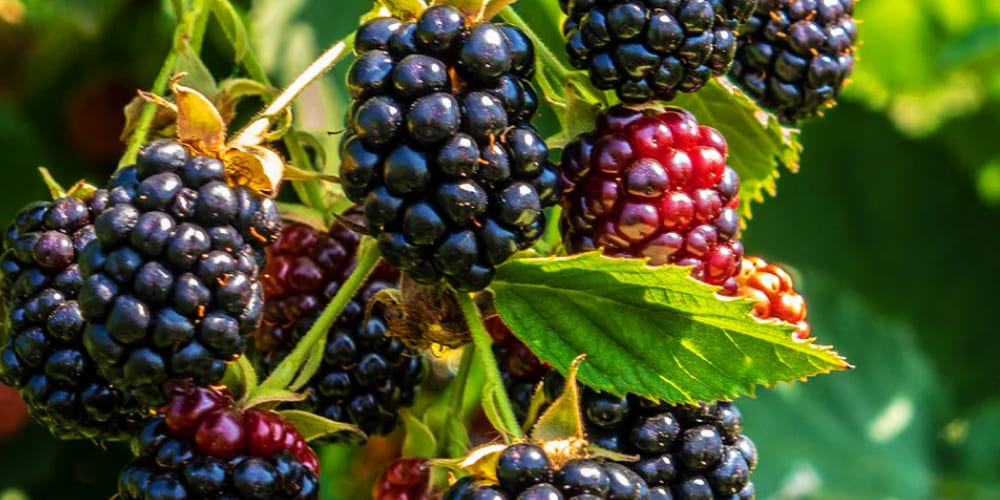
x=892, y=226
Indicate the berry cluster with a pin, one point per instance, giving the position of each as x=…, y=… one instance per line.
x=43, y=353
x=404, y=479
x=685, y=452
x=525, y=472
x=520, y=369
x=795, y=56
x=366, y=375
x=653, y=48
x=774, y=294
x=171, y=282
x=654, y=186
x=439, y=148
x=305, y=268
x=202, y=447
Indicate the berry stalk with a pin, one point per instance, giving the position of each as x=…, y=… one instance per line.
x=484, y=345
x=457, y=398
x=190, y=31
x=368, y=257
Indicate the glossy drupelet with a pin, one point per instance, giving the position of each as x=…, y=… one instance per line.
x=795, y=56
x=203, y=447
x=171, y=285
x=654, y=186
x=42, y=353
x=525, y=472
x=439, y=147
x=404, y=479
x=652, y=49
x=365, y=376
x=774, y=294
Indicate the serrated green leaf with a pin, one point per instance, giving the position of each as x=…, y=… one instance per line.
x=312, y=426
x=233, y=26
x=758, y=144
x=420, y=441
x=652, y=331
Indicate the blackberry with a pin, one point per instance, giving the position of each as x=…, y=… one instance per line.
x=520, y=369
x=366, y=375
x=795, y=56
x=404, y=479
x=43, y=352
x=687, y=451
x=203, y=447
x=774, y=294
x=525, y=472
x=440, y=149
x=305, y=268
x=654, y=186
x=651, y=49
x=171, y=282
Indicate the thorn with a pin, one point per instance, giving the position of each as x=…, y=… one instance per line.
x=336, y=132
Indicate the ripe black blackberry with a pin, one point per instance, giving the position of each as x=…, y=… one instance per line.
x=440, y=149
x=795, y=56
x=42, y=353
x=650, y=49
x=171, y=282
x=525, y=472
x=654, y=186
x=692, y=452
x=204, y=448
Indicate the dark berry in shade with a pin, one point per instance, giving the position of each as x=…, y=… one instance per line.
x=366, y=375
x=654, y=186
x=520, y=369
x=440, y=150
x=652, y=49
x=795, y=57
x=171, y=282
x=43, y=350
x=204, y=448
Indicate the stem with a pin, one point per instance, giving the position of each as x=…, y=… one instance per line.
x=190, y=30
x=456, y=399
x=484, y=345
x=286, y=371
x=548, y=57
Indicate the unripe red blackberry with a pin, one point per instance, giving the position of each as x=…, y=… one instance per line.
x=366, y=375
x=305, y=268
x=13, y=412
x=520, y=369
x=654, y=186
x=651, y=49
x=440, y=149
x=795, y=56
x=203, y=447
x=404, y=479
x=42, y=353
x=171, y=283
x=525, y=472
x=772, y=289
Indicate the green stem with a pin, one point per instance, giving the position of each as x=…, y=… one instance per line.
x=484, y=345
x=190, y=30
x=548, y=57
x=368, y=257
x=456, y=399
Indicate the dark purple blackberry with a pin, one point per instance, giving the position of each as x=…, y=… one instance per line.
x=520, y=369
x=206, y=449
x=795, y=56
x=525, y=472
x=651, y=49
x=170, y=285
x=440, y=150
x=42, y=352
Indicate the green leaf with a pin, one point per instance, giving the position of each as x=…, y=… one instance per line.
x=563, y=420
x=420, y=441
x=270, y=398
x=240, y=378
x=577, y=117
x=309, y=368
x=758, y=144
x=405, y=9
x=868, y=434
x=233, y=26
x=197, y=75
x=312, y=426
x=55, y=189
x=652, y=331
